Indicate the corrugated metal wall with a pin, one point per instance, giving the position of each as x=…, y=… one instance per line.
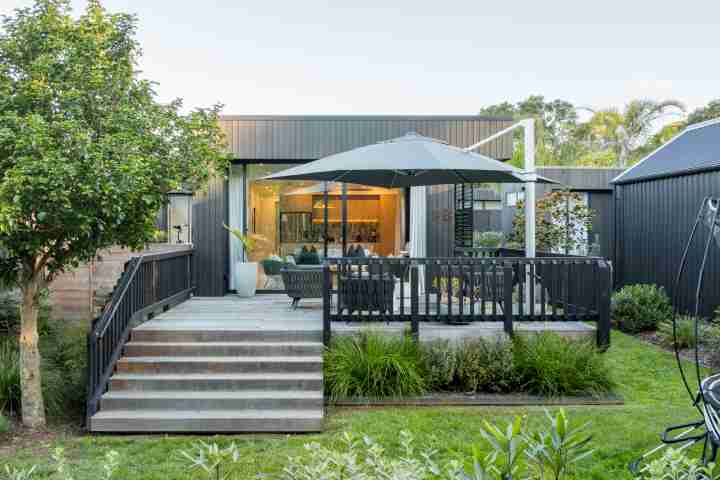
x=211, y=239
x=653, y=221
x=313, y=137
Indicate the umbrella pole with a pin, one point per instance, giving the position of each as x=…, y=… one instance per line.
x=325, y=220
x=529, y=130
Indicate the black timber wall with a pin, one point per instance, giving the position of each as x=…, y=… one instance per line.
x=653, y=222
x=440, y=221
x=210, y=211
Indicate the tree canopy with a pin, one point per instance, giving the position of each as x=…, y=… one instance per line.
x=87, y=152
x=609, y=137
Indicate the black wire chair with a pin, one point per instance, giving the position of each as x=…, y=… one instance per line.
x=706, y=394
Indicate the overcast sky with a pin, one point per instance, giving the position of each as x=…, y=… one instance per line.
x=423, y=57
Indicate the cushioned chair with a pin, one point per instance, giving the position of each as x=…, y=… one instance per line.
x=271, y=268
x=302, y=281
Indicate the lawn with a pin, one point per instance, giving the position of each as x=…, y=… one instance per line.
x=646, y=377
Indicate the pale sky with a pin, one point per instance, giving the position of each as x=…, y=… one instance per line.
x=423, y=57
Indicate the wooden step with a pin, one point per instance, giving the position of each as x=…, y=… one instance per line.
x=208, y=400
x=286, y=421
x=217, y=382
x=232, y=349
x=199, y=365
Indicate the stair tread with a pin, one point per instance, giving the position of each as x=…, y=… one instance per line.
x=222, y=359
x=213, y=395
x=219, y=376
x=209, y=414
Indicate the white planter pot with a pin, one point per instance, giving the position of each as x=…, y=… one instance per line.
x=246, y=278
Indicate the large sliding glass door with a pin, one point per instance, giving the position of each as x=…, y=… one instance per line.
x=287, y=220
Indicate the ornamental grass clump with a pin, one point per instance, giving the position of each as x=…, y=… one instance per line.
x=551, y=365
x=639, y=308
x=373, y=365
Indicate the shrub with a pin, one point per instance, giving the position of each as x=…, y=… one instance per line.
x=9, y=376
x=486, y=366
x=713, y=346
x=62, y=371
x=373, y=365
x=439, y=361
x=685, y=331
x=548, y=364
x=676, y=465
x=490, y=239
x=4, y=424
x=638, y=308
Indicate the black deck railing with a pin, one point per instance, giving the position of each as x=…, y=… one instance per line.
x=149, y=283
x=468, y=289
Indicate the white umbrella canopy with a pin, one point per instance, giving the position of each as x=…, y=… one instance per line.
x=407, y=161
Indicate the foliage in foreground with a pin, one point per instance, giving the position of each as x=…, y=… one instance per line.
x=63, y=470
x=675, y=465
x=372, y=364
x=641, y=307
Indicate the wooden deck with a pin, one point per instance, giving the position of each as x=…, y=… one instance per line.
x=272, y=312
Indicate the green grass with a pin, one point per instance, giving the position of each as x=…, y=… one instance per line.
x=644, y=375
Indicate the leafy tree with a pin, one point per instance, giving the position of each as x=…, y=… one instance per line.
x=710, y=111
x=555, y=123
x=626, y=132
x=561, y=222
x=87, y=153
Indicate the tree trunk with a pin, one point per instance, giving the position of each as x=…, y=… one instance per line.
x=33, y=407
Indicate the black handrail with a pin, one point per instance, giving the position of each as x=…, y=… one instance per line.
x=149, y=283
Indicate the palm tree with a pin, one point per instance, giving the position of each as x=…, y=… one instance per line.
x=626, y=132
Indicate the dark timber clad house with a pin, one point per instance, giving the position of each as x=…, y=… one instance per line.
x=282, y=213
x=656, y=203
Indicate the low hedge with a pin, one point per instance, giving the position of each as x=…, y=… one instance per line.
x=378, y=365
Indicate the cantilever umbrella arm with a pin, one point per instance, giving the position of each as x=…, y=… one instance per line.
x=529, y=174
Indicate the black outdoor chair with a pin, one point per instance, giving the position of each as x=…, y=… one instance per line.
x=302, y=281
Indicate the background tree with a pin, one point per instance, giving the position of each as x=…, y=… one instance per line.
x=561, y=222
x=710, y=111
x=626, y=132
x=87, y=153
x=555, y=123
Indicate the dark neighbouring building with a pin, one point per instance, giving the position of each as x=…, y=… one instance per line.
x=656, y=203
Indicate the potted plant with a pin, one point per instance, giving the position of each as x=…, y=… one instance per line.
x=245, y=276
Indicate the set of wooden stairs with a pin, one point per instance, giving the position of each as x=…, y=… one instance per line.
x=196, y=376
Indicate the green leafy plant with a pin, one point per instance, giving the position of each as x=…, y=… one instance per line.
x=9, y=376
x=548, y=364
x=486, y=365
x=13, y=473
x=4, y=424
x=509, y=444
x=371, y=364
x=685, y=331
x=561, y=222
x=640, y=307
x=439, y=360
x=213, y=461
x=489, y=239
x=676, y=465
x=248, y=241
x=63, y=470
x=557, y=449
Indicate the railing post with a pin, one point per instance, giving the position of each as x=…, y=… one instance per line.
x=327, y=285
x=414, y=302
x=605, y=288
x=508, y=298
